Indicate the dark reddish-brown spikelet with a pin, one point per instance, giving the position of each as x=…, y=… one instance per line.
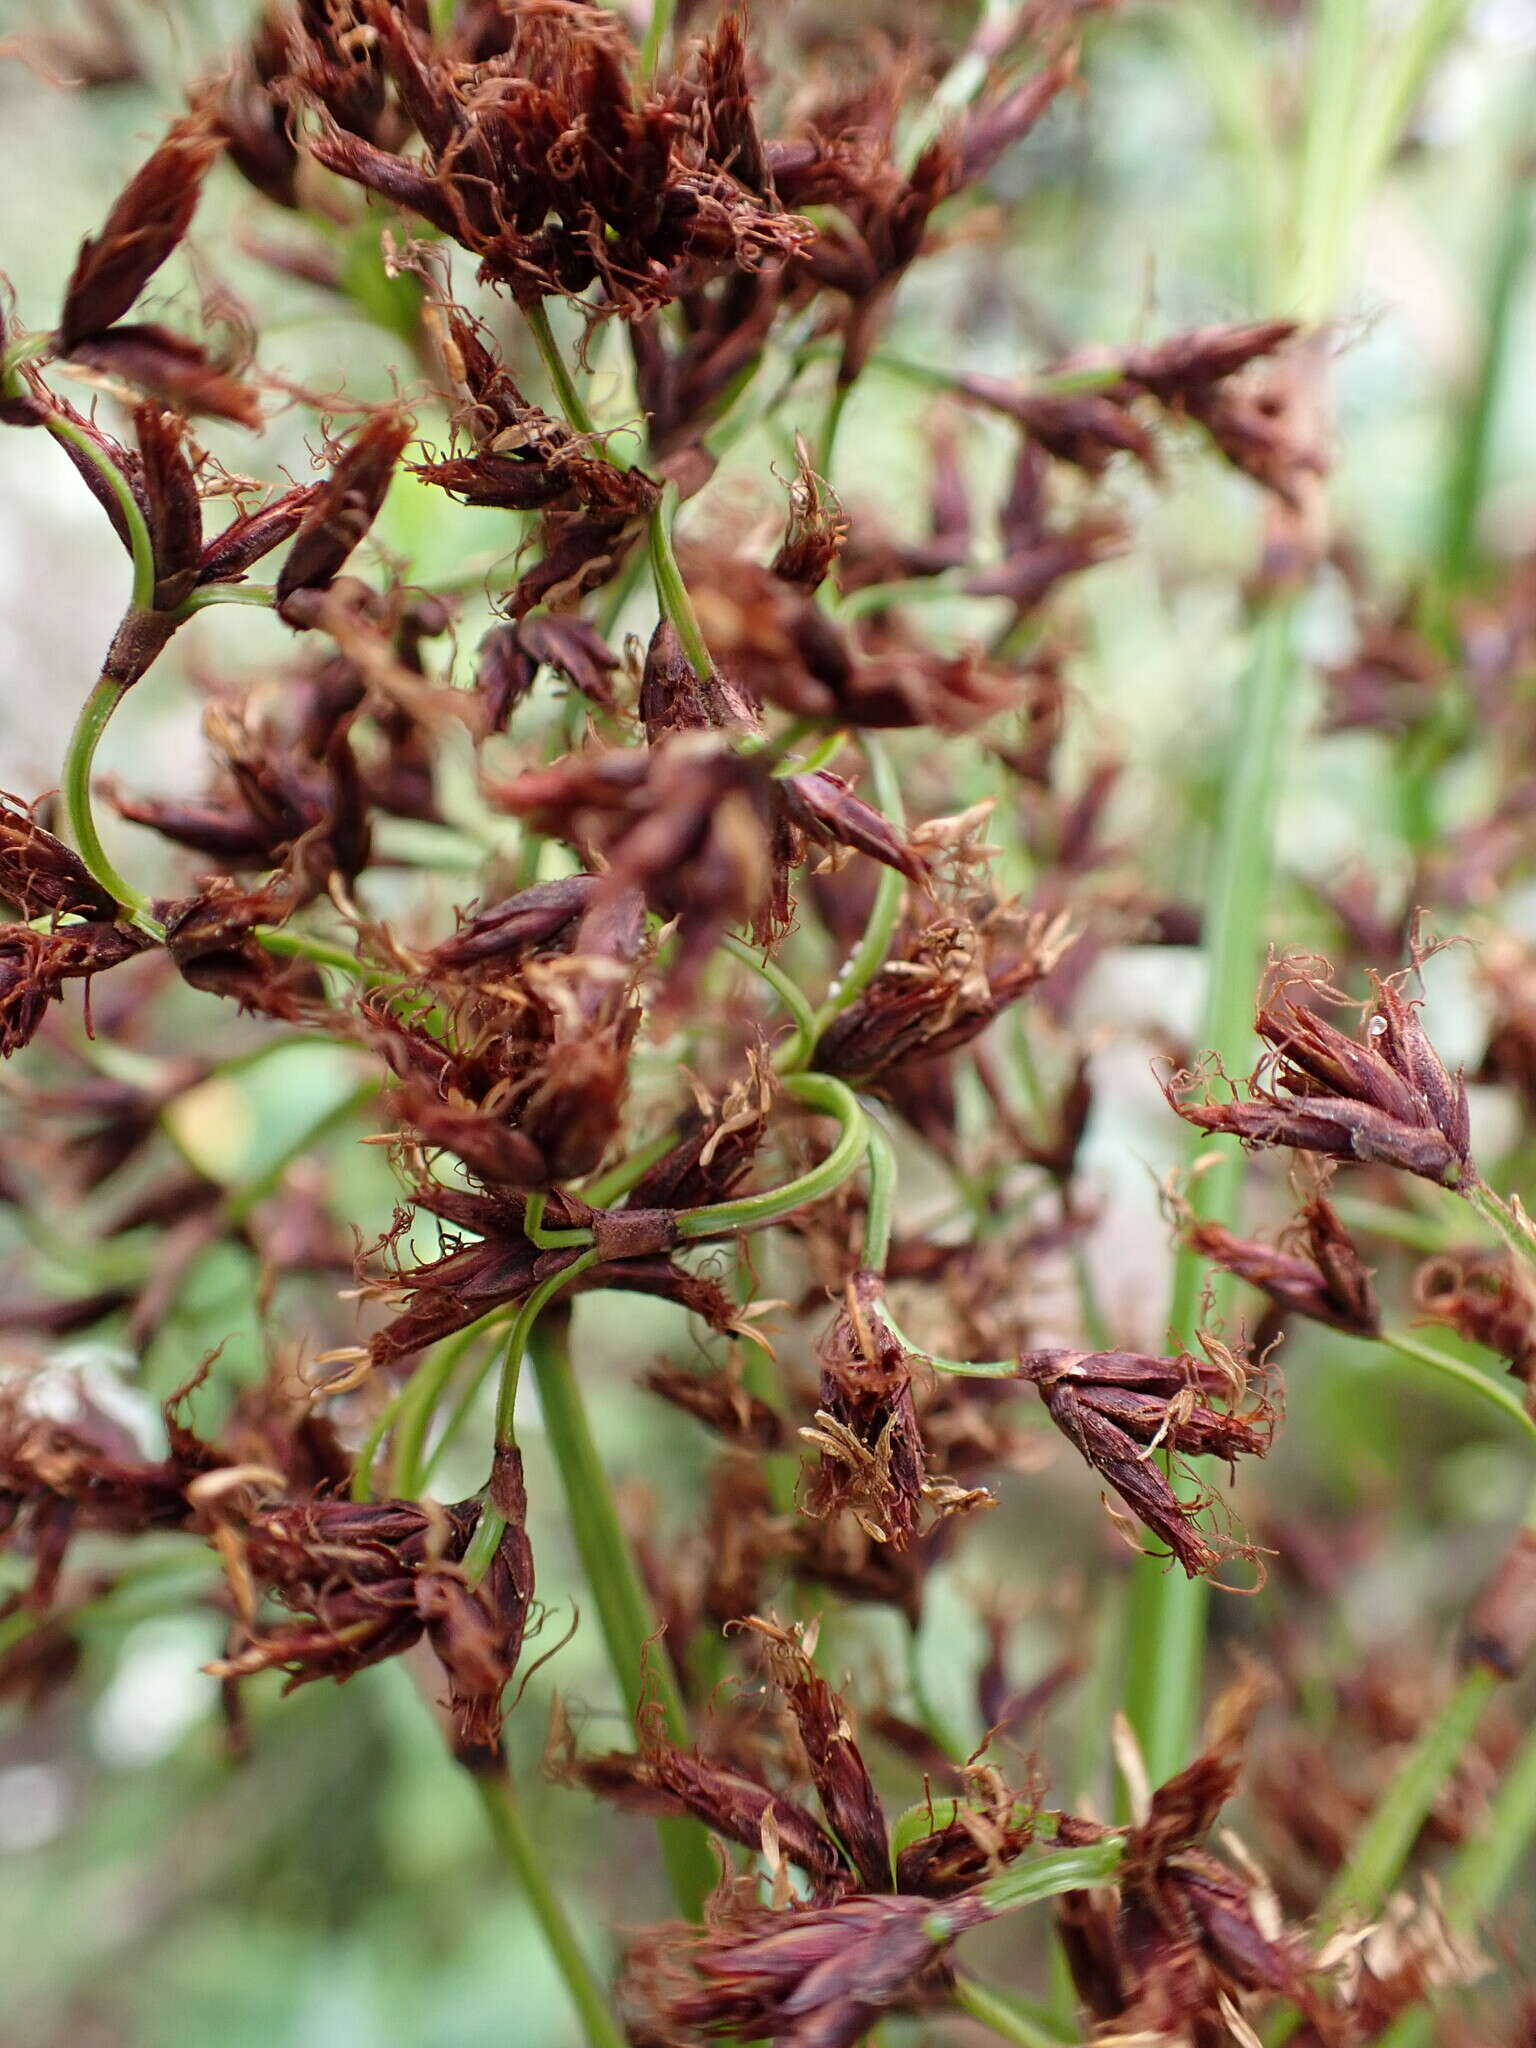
x=34, y=967
x=728, y=1799
x=1327, y=1282
x=368, y=1579
x=807, y=1977
x=147, y=222
x=1486, y=1297
x=170, y=369
x=1386, y=1101
x=58, y=1477
x=344, y=506
x=1188, y=1938
x=872, y=1461
x=1501, y=1628
x=1115, y=1407
x=39, y=874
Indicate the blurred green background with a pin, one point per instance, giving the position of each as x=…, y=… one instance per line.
x=338, y=1887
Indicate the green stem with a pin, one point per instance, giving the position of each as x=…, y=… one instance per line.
x=492, y=1525
x=630, y=1631
x=1164, y=1658
x=672, y=592
x=75, y=785
x=751, y=1212
x=873, y=948
x=796, y=1049
x=1327, y=193
x=1026, y=1883
x=656, y=33
x=1008, y=2018
x=526, y=1860
x=1485, y=1203
x=1467, y=475
x=1496, y=1392
x=1381, y=1849
x=881, y=1156
x=260, y=594
x=423, y=1391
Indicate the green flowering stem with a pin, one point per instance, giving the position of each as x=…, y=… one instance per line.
x=525, y=1858
x=1480, y=1872
x=492, y=1525
x=75, y=787
x=1497, y=1392
x=1028, y=1881
x=796, y=1049
x=881, y=1157
x=423, y=1390
x=752, y=1212
x=628, y=1622
x=671, y=591
x=1005, y=2013
x=873, y=948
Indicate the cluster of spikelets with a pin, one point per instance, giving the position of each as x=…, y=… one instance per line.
x=705, y=830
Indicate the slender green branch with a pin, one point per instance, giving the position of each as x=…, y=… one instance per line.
x=796, y=1049
x=1381, y=1848
x=873, y=948
x=263, y=595
x=1486, y=1205
x=1164, y=1661
x=526, y=1860
x=672, y=591
x=1498, y=1393
x=75, y=786
x=752, y=1212
x=878, y=1218
x=630, y=1631
x=423, y=1390
x=1003, y=2012
x=492, y=1525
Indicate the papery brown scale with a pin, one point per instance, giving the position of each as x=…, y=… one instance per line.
x=34, y=967
x=147, y=221
x=719, y=1400
x=172, y=507
x=251, y=535
x=168, y=368
x=344, y=506
x=534, y=918
x=39, y=874
x=1483, y=1296
x=1501, y=1627
x=838, y=1770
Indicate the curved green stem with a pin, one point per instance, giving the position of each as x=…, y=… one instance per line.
x=492, y=1525
x=873, y=948
x=795, y=1050
x=881, y=1156
x=1027, y=1882
x=1496, y=1392
x=1164, y=1661
x=525, y=1859
x=628, y=1623
x=1004, y=2014
x=75, y=787
x=1381, y=1848
x=752, y=1212
x=423, y=1390
x=259, y=594
x=672, y=591
x=1485, y=1204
